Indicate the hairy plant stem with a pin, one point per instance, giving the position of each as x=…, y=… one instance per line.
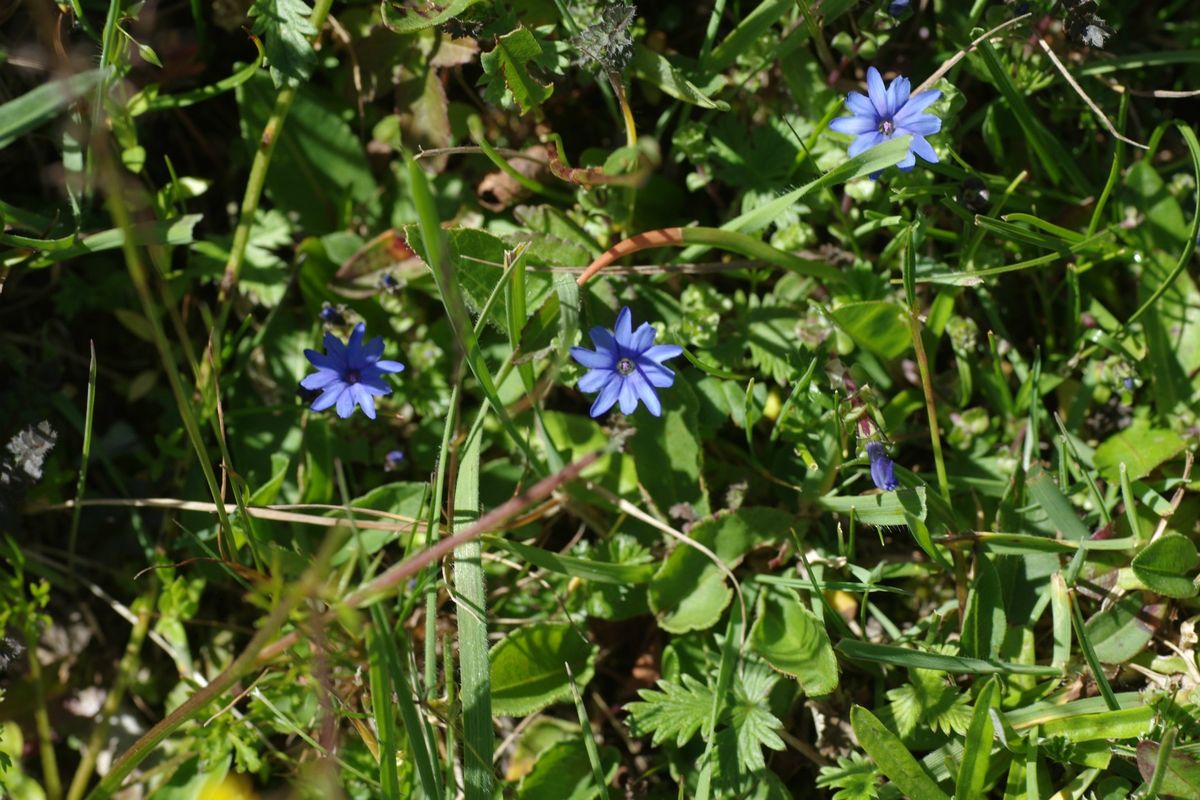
x=935, y=436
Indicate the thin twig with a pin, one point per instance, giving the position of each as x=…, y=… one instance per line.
x=1079, y=91
x=961, y=54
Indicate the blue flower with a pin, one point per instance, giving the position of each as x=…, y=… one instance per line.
x=393, y=460
x=349, y=373
x=898, y=7
x=882, y=469
x=887, y=113
x=626, y=366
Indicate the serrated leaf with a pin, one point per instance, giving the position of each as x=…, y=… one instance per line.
x=673, y=711
x=792, y=640
x=854, y=777
x=1165, y=564
x=286, y=28
x=415, y=21
x=507, y=65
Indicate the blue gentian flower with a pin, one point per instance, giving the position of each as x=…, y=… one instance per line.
x=626, y=366
x=883, y=471
x=898, y=7
x=887, y=113
x=350, y=373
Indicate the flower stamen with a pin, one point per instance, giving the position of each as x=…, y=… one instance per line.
x=625, y=366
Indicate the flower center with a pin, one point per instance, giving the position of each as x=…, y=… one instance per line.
x=887, y=127
x=351, y=376
x=625, y=366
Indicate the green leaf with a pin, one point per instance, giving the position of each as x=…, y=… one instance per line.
x=668, y=451
x=655, y=69
x=794, y=641
x=688, y=592
x=977, y=746
x=892, y=758
x=854, y=777
x=1182, y=777
x=1120, y=632
x=1164, y=566
x=875, y=325
x=415, y=21
x=508, y=67
x=673, y=711
x=34, y=108
x=319, y=168
x=1045, y=493
x=1140, y=447
x=747, y=33
x=598, y=571
x=984, y=622
x=286, y=28
x=885, y=508
x=527, y=667
x=562, y=772
x=957, y=665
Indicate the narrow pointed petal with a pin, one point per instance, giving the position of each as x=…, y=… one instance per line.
x=594, y=380
x=623, y=329
x=900, y=89
x=336, y=349
x=908, y=163
x=643, y=337
x=854, y=125
x=592, y=359
x=864, y=143
x=375, y=387
x=388, y=366
x=646, y=393
x=661, y=352
x=924, y=149
x=877, y=93
x=660, y=377
x=320, y=379
x=345, y=403
x=373, y=349
x=859, y=105
x=604, y=341
x=364, y=399
x=320, y=360
x=916, y=104
x=328, y=397
x=606, y=398
x=628, y=396
x=922, y=125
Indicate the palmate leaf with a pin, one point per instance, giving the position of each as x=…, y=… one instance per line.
x=285, y=27
x=929, y=702
x=854, y=777
x=675, y=710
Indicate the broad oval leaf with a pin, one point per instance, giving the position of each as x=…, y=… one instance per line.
x=1165, y=564
x=793, y=641
x=528, y=671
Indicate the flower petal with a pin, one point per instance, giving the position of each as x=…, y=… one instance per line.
x=328, y=397
x=623, y=329
x=374, y=386
x=320, y=379
x=336, y=350
x=916, y=104
x=854, y=125
x=864, y=143
x=646, y=392
x=859, y=105
x=345, y=404
x=604, y=341
x=628, y=396
x=643, y=337
x=594, y=380
x=373, y=350
x=908, y=163
x=661, y=352
x=388, y=366
x=877, y=93
x=659, y=376
x=899, y=90
x=592, y=359
x=921, y=125
x=320, y=360
x=606, y=398
x=365, y=401
x=922, y=148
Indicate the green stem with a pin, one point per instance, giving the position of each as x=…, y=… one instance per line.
x=90, y=408
x=130, y=663
x=41, y=718
x=935, y=436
